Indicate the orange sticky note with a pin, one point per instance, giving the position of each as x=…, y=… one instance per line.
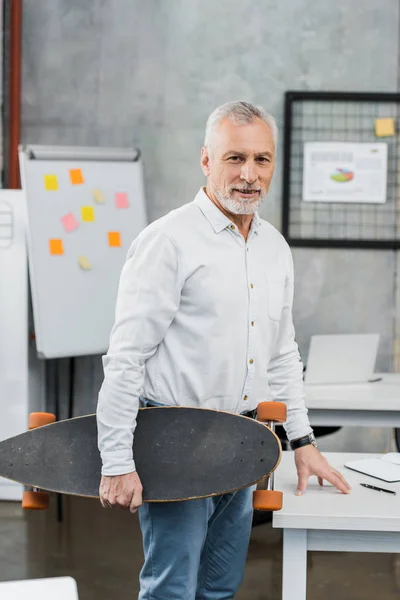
x=56, y=247
x=51, y=182
x=76, y=176
x=114, y=239
x=87, y=213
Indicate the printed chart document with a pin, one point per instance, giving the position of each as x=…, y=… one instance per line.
x=345, y=172
x=386, y=467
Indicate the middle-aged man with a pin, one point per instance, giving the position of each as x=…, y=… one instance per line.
x=204, y=319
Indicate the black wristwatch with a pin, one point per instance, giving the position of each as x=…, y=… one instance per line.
x=306, y=440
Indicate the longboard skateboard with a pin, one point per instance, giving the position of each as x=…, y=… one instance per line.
x=180, y=454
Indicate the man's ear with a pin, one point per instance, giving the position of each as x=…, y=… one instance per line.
x=205, y=161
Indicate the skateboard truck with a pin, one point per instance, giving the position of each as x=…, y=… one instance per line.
x=33, y=498
x=268, y=498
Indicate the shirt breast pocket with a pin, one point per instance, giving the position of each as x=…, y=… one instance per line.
x=276, y=285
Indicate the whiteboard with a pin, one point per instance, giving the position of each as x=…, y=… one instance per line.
x=85, y=206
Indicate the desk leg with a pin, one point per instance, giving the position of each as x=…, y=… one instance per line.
x=294, y=568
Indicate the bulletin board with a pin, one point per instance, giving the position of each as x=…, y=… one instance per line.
x=85, y=206
x=341, y=185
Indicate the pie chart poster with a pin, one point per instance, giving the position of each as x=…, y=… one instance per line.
x=345, y=172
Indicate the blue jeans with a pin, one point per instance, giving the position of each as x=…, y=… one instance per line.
x=196, y=549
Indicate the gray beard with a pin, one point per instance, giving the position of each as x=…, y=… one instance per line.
x=240, y=207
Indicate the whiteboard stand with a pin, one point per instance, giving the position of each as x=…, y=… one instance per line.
x=85, y=207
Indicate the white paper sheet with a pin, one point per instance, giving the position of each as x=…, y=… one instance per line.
x=345, y=172
x=386, y=468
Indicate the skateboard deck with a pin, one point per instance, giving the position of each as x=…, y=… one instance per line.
x=180, y=454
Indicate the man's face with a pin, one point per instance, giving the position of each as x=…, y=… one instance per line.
x=239, y=164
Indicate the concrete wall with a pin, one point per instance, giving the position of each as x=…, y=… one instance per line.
x=122, y=72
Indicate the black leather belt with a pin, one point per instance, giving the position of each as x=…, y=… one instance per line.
x=252, y=414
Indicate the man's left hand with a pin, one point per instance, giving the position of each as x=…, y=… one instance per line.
x=309, y=461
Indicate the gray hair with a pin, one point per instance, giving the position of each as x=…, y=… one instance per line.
x=240, y=113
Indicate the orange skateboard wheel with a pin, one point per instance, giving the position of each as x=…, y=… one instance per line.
x=272, y=411
x=267, y=500
x=38, y=419
x=35, y=500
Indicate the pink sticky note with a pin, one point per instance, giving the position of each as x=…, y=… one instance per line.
x=69, y=222
x=121, y=200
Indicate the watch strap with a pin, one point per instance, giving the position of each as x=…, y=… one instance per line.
x=306, y=440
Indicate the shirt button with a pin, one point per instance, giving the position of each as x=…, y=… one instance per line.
x=232, y=227
x=244, y=397
x=251, y=361
x=251, y=285
x=252, y=323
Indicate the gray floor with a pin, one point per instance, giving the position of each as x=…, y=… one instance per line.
x=102, y=551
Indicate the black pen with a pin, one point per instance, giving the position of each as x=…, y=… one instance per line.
x=378, y=489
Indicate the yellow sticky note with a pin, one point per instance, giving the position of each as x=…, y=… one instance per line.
x=84, y=263
x=51, y=182
x=114, y=239
x=76, y=176
x=98, y=197
x=56, y=246
x=384, y=127
x=87, y=213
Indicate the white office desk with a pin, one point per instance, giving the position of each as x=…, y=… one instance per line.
x=369, y=404
x=325, y=519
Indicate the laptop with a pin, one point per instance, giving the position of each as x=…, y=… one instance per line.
x=341, y=358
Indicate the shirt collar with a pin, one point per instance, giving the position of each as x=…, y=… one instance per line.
x=218, y=220
x=256, y=222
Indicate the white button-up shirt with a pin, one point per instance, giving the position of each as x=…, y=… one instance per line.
x=203, y=319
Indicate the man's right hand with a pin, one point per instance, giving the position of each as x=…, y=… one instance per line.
x=124, y=491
